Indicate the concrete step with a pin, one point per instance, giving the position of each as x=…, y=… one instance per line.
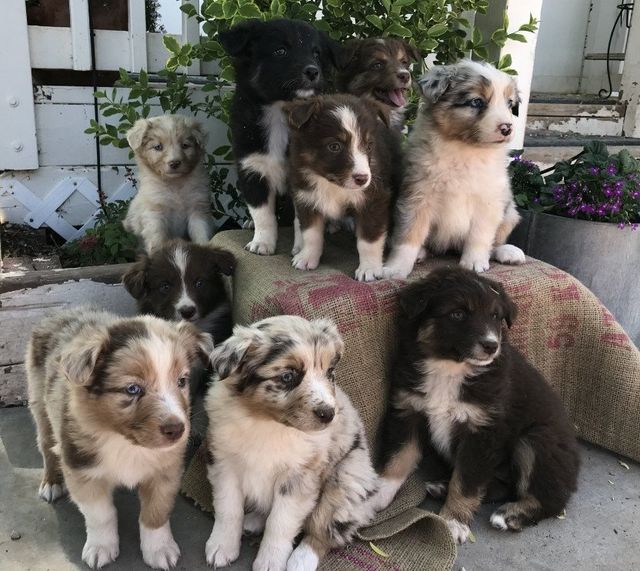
x=575, y=115
x=549, y=148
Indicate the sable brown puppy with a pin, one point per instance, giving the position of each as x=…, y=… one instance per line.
x=461, y=392
x=110, y=398
x=338, y=167
x=380, y=68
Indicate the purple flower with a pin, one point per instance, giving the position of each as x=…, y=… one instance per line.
x=634, y=227
x=621, y=225
x=594, y=171
x=612, y=170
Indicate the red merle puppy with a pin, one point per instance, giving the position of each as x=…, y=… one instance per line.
x=338, y=167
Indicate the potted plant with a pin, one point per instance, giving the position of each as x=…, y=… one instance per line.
x=582, y=215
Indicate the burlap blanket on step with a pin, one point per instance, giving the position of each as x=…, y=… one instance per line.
x=561, y=327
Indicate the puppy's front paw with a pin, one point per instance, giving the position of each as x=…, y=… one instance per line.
x=477, y=263
x=303, y=558
x=50, y=491
x=510, y=516
x=261, y=248
x=509, y=254
x=296, y=249
x=422, y=255
x=272, y=557
x=437, y=489
x=253, y=523
x=368, y=273
x=305, y=260
x=220, y=551
x=159, y=549
x=395, y=273
x=98, y=551
x=459, y=530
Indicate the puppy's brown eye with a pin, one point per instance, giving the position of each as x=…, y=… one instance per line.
x=289, y=377
x=334, y=147
x=158, y=147
x=133, y=390
x=495, y=315
x=164, y=287
x=377, y=65
x=369, y=146
x=182, y=382
x=199, y=283
x=457, y=315
x=186, y=145
x=280, y=52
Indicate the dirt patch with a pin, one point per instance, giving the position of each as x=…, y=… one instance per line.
x=20, y=240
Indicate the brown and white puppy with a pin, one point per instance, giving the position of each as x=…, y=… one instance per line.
x=379, y=68
x=456, y=192
x=286, y=441
x=338, y=167
x=173, y=184
x=462, y=394
x=110, y=398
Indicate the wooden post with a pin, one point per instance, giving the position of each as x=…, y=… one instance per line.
x=18, y=146
x=137, y=36
x=80, y=34
x=630, y=84
x=522, y=55
x=191, y=34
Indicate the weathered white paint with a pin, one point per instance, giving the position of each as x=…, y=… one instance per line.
x=631, y=78
x=191, y=34
x=18, y=147
x=137, y=35
x=80, y=34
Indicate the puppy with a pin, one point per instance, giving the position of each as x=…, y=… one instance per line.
x=110, y=399
x=456, y=192
x=287, y=449
x=173, y=184
x=274, y=62
x=460, y=392
x=184, y=281
x=338, y=167
x=379, y=68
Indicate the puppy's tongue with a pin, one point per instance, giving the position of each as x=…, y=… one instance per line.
x=397, y=97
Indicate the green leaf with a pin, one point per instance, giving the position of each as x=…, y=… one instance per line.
x=437, y=29
x=100, y=95
x=109, y=112
x=517, y=38
x=505, y=61
x=402, y=3
x=250, y=11
x=189, y=9
x=396, y=29
x=375, y=21
x=477, y=36
x=171, y=43
x=499, y=37
x=229, y=9
x=428, y=45
x=387, y=5
x=377, y=550
x=505, y=20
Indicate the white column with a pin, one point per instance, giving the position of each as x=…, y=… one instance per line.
x=630, y=84
x=80, y=34
x=191, y=34
x=18, y=146
x=137, y=36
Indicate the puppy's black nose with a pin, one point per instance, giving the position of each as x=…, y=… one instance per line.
x=505, y=128
x=311, y=72
x=187, y=311
x=172, y=431
x=325, y=413
x=360, y=179
x=489, y=347
x=175, y=164
x=404, y=76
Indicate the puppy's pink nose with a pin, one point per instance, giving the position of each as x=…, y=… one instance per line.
x=172, y=431
x=175, y=164
x=360, y=179
x=505, y=128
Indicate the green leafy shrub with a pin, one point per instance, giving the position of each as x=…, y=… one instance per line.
x=438, y=27
x=106, y=243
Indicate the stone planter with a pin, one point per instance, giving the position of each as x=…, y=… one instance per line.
x=603, y=257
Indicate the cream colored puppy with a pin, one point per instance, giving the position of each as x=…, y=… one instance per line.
x=173, y=184
x=456, y=192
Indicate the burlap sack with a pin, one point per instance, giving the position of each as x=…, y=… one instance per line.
x=562, y=328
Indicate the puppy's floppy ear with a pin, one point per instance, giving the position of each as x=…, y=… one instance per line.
x=414, y=298
x=515, y=110
x=228, y=357
x=79, y=359
x=334, y=51
x=223, y=260
x=299, y=112
x=436, y=81
x=382, y=111
x=509, y=309
x=330, y=329
x=412, y=51
x=236, y=41
x=136, y=133
x=347, y=53
x=197, y=132
x=199, y=344
x=134, y=280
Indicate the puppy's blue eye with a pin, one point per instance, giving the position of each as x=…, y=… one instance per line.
x=289, y=377
x=158, y=147
x=334, y=147
x=280, y=52
x=476, y=103
x=133, y=389
x=182, y=382
x=164, y=287
x=199, y=283
x=457, y=315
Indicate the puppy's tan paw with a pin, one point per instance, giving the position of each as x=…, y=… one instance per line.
x=460, y=531
x=50, y=491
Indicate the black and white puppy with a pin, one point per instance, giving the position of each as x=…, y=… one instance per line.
x=339, y=166
x=183, y=281
x=274, y=62
x=462, y=393
x=287, y=449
